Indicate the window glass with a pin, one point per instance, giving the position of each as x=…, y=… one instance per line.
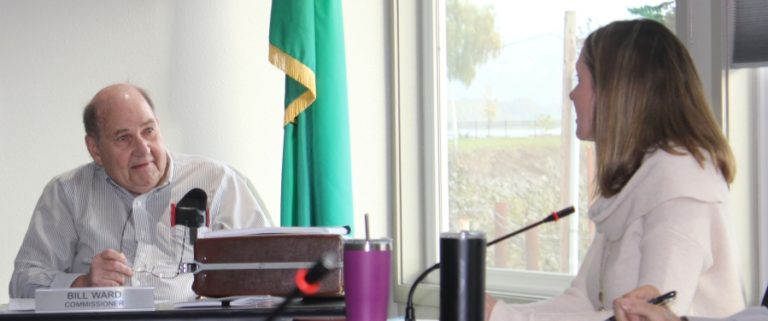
x=509, y=125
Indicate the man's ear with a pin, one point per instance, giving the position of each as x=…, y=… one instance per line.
x=92, y=144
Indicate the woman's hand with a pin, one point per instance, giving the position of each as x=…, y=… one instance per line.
x=634, y=306
x=490, y=302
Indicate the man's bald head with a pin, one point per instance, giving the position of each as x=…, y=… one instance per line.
x=105, y=98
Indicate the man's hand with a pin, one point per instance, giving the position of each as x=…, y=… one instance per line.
x=108, y=268
x=634, y=306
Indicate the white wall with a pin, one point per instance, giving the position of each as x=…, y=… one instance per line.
x=205, y=64
x=744, y=124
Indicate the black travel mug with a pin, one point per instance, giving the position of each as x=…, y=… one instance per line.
x=462, y=276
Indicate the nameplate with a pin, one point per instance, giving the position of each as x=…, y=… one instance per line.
x=95, y=299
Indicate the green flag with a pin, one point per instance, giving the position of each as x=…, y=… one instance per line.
x=306, y=41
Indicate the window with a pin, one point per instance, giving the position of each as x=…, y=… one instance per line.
x=512, y=154
x=494, y=138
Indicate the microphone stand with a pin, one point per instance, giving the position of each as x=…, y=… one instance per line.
x=410, y=313
x=281, y=308
x=308, y=281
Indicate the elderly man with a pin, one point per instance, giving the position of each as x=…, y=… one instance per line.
x=108, y=222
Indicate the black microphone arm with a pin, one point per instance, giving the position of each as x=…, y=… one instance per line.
x=328, y=262
x=410, y=314
x=551, y=218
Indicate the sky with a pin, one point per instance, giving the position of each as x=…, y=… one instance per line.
x=530, y=66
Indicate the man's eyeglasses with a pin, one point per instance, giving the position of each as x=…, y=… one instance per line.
x=163, y=270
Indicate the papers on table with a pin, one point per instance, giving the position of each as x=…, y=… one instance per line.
x=16, y=304
x=342, y=230
x=232, y=301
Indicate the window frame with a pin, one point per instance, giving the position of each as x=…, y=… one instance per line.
x=417, y=124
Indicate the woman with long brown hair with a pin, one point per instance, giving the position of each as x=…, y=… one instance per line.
x=661, y=201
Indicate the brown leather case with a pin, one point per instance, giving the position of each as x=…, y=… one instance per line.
x=269, y=248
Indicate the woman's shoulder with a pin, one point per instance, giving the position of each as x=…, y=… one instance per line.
x=680, y=165
x=676, y=157
x=662, y=177
x=677, y=173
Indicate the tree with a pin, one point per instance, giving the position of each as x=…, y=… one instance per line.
x=663, y=12
x=472, y=38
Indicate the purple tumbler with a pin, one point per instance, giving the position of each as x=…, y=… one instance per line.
x=367, y=270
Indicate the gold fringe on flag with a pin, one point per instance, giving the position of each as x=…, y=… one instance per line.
x=299, y=72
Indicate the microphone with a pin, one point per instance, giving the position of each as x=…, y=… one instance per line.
x=191, y=211
x=410, y=313
x=308, y=281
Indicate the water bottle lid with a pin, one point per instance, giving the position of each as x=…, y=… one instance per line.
x=463, y=235
x=384, y=244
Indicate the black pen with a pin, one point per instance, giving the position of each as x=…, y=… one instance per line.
x=659, y=300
